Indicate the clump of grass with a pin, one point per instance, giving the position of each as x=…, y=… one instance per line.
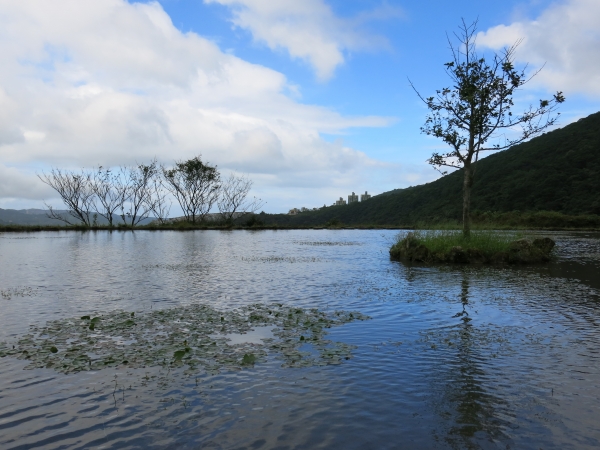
x=482, y=247
x=486, y=241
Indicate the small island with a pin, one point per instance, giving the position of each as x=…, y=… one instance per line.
x=483, y=248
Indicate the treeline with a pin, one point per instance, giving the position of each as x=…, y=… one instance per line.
x=136, y=193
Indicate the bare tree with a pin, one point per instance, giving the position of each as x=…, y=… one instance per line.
x=75, y=190
x=195, y=185
x=110, y=193
x=160, y=207
x=477, y=108
x=233, y=201
x=138, y=200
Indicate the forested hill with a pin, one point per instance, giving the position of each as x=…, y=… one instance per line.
x=558, y=171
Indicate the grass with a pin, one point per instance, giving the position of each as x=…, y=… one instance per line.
x=518, y=220
x=486, y=241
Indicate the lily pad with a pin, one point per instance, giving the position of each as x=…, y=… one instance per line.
x=194, y=335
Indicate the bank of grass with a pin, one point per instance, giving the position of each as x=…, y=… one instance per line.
x=518, y=220
x=488, y=242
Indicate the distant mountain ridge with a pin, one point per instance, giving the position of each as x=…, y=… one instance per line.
x=35, y=217
x=557, y=171
x=27, y=217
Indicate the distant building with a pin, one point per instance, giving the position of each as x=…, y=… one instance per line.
x=364, y=196
x=353, y=198
x=339, y=202
x=293, y=211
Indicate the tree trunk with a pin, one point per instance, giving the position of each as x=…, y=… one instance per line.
x=467, y=184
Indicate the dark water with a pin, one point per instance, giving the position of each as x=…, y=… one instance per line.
x=454, y=357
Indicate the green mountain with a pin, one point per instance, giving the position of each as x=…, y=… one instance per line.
x=557, y=171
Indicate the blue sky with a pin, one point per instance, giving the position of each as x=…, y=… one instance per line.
x=311, y=99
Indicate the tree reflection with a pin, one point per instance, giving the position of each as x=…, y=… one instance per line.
x=467, y=403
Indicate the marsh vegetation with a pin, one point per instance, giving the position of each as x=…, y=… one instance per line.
x=479, y=247
x=194, y=336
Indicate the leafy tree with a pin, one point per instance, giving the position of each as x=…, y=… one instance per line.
x=195, y=185
x=477, y=108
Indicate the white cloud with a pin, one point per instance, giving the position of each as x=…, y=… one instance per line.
x=111, y=82
x=307, y=29
x=15, y=183
x=565, y=37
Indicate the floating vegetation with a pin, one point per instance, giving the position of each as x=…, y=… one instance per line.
x=192, y=336
x=176, y=267
x=340, y=243
x=7, y=294
x=287, y=259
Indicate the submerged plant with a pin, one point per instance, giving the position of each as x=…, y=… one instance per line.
x=194, y=336
x=17, y=292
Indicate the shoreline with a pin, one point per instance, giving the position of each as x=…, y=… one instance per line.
x=42, y=228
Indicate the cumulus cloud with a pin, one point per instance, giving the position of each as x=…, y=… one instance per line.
x=307, y=29
x=565, y=37
x=112, y=82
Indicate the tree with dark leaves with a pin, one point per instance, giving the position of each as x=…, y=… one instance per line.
x=195, y=185
x=477, y=108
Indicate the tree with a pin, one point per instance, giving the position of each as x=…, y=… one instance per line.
x=160, y=207
x=138, y=193
x=478, y=108
x=195, y=185
x=233, y=201
x=75, y=190
x=109, y=193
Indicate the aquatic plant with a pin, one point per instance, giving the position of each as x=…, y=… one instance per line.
x=276, y=259
x=192, y=336
x=9, y=293
x=327, y=243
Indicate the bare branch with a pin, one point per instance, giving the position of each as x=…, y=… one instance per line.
x=75, y=191
x=233, y=202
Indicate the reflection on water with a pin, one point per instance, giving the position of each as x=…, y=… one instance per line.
x=255, y=336
x=454, y=357
x=472, y=411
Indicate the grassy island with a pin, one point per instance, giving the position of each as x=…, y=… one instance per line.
x=483, y=247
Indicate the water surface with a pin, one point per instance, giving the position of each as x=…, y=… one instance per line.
x=453, y=357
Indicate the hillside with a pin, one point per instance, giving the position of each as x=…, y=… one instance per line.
x=557, y=171
x=34, y=217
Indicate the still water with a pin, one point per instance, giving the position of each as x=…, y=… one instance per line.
x=452, y=357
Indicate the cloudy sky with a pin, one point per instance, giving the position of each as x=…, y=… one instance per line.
x=309, y=98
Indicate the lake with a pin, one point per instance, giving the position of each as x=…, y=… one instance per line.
x=449, y=356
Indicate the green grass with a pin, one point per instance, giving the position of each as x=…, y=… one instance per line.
x=486, y=241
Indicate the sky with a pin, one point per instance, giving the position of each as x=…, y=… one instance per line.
x=310, y=99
